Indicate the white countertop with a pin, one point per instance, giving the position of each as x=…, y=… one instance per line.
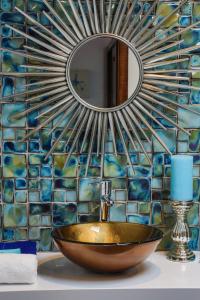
x=156, y=279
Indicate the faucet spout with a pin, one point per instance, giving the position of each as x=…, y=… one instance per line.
x=106, y=201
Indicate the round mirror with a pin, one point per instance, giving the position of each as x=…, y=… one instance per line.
x=105, y=72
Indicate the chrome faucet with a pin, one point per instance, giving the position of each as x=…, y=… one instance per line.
x=106, y=201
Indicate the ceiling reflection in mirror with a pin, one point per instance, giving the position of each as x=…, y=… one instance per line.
x=104, y=72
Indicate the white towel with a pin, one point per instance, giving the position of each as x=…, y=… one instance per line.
x=18, y=268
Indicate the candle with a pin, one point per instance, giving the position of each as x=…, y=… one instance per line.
x=182, y=178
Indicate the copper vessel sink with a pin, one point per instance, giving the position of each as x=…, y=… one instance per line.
x=107, y=247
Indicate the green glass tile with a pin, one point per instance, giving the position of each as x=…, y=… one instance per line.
x=156, y=213
x=45, y=239
x=193, y=215
x=144, y=208
x=83, y=208
x=34, y=233
x=163, y=10
x=8, y=134
x=14, y=165
x=21, y=196
x=114, y=166
x=60, y=170
x=59, y=196
x=21, y=234
x=20, y=134
x=33, y=184
x=35, y=220
x=15, y=215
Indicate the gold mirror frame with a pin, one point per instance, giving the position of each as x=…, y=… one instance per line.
x=53, y=53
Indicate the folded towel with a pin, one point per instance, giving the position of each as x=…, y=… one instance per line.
x=26, y=247
x=18, y=268
x=16, y=251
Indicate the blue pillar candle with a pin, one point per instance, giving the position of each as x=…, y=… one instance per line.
x=182, y=178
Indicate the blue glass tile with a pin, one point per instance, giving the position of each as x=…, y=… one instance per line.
x=156, y=183
x=12, y=62
x=36, y=209
x=64, y=214
x=89, y=190
x=9, y=110
x=20, y=183
x=7, y=86
x=156, y=213
x=132, y=208
x=194, y=242
x=6, y=5
x=34, y=146
x=31, y=119
x=34, y=196
x=185, y=21
x=188, y=119
x=168, y=137
x=45, y=190
x=139, y=189
x=21, y=196
x=8, y=185
x=121, y=195
x=33, y=171
x=10, y=147
x=71, y=196
x=118, y=213
x=16, y=18
x=196, y=194
x=141, y=171
x=65, y=183
x=194, y=141
x=8, y=234
x=46, y=171
x=46, y=221
x=158, y=161
x=139, y=219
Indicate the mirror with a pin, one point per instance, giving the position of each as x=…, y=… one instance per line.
x=104, y=72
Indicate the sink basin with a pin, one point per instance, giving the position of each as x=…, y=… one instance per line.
x=107, y=247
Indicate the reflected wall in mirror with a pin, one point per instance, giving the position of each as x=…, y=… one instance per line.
x=105, y=72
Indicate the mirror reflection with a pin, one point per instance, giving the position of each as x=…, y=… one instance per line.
x=104, y=72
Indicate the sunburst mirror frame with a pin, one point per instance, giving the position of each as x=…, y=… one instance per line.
x=53, y=95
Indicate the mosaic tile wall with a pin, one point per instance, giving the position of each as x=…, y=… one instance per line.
x=38, y=194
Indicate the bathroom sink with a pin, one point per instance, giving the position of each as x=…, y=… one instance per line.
x=107, y=247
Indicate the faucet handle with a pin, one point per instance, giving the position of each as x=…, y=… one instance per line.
x=106, y=187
